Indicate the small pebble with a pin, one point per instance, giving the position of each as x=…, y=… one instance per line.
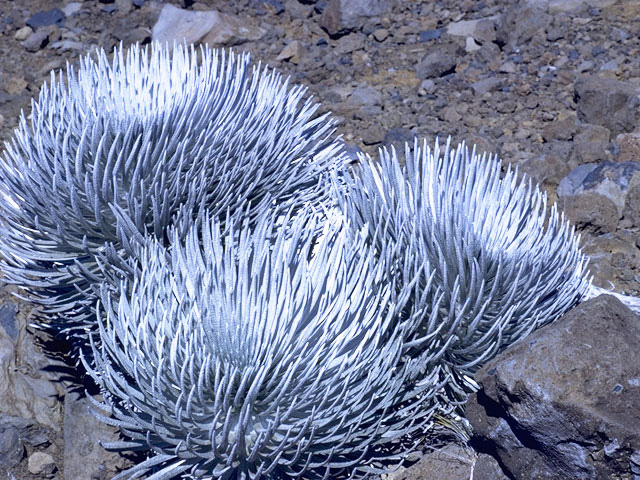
x=427, y=35
x=72, y=8
x=23, y=33
x=381, y=34
x=41, y=463
x=471, y=45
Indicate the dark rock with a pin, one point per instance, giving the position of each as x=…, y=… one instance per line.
x=591, y=211
x=438, y=63
x=631, y=210
x=487, y=467
x=138, y=3
x=608, y=102
x=564, y=402
x=110, y=8
x=12, y=449
x=55, y=16
x=591, y=144
x=352, y=152
x=342, y=16
x=561, y=129
x=428, y=35
x=520, y=23
x=8, y=320
x=398, y=136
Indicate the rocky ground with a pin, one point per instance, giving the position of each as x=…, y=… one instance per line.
x=551, y=86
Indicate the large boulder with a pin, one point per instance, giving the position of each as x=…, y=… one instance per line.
x=608, y=102
x=520, y=23
x=177, y=25
x=565, y=401
x=342, y=16
x=28, y=389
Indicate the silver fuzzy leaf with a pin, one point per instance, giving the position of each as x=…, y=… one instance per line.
x=124, y=148
x=268, y=353
x=501, y=262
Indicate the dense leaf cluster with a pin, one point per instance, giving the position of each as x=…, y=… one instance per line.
x=250, y=306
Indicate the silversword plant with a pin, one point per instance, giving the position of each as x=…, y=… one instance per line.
x=125, y=148
x=504, y=262
x=253, y=323
x=274, y=353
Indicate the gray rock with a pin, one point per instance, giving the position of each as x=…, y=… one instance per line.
x=342, y=16
x=36, y=41
x=8, y=319
x=83, y=454
x=15, y=434
x=485, y=30
x=202, y=27
x=608, y=102
x=262, y=7
x=55, y=16
x=485, y=85
x=611, y=180
x=365, y=95
x=41, y=463
x=463, y=28
x=451, y=462
x=571, y=6
x=566, y=398
x=481, y=29
x=373, y=135
x=428, y=86
x=487, y=467
x=520, y=23
x=72, y=8
x=561, y=129
x=437, y=63
x=569, y=185
x=27, y=390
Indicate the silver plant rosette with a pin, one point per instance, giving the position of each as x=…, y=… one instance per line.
x=503, y=263
x=275, y=353
x=125, y=148
x=252, y=308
